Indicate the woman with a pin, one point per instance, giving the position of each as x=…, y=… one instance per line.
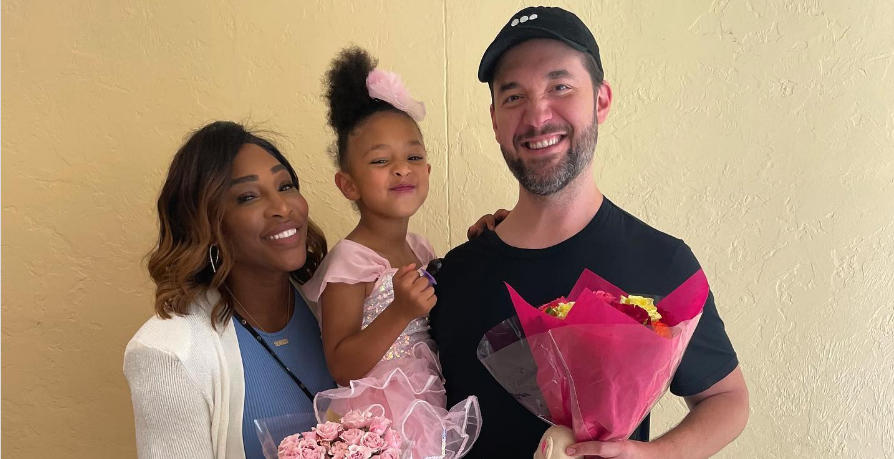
x=235, y=245
x=233, y=339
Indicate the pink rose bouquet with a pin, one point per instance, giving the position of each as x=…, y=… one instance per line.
x=597, y=361
x=358, y=435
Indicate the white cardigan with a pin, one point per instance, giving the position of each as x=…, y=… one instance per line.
x=187, y=386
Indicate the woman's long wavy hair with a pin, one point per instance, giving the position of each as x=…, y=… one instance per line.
x=190, y=216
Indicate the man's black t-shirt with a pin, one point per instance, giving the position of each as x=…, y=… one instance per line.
x=472, y=298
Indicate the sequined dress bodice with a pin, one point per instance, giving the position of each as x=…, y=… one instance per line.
x=376, y=302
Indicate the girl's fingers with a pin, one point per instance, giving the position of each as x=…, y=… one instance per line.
x=428, y=293
x=404, y=270
x=421, y=283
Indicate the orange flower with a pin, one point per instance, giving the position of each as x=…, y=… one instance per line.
x=661, y=329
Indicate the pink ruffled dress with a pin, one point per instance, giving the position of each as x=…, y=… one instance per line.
x=406, y=386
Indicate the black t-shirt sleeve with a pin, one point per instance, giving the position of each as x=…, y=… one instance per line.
x=710, y=356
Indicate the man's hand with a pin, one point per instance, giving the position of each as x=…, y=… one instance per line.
x=489, y=221
x=625, y=449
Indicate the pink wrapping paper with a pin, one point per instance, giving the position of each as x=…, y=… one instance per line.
x=600, y=372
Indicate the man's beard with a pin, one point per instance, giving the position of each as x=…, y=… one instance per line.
x=543, y=180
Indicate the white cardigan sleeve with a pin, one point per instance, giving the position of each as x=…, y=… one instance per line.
x=173, y=418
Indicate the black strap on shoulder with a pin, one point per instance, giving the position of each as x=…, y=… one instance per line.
x=282, y=364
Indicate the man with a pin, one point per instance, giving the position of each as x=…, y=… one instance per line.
x=548, y=98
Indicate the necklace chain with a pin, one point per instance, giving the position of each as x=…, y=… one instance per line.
x=258, y=324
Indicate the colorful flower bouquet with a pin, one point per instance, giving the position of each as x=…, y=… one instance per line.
x=598, y=361
x=358, y=435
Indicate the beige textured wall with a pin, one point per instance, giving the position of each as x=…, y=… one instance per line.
x=762, y=132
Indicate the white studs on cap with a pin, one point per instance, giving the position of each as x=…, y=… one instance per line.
x=522, y=19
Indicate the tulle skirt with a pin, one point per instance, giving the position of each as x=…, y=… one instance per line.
x=410, y=392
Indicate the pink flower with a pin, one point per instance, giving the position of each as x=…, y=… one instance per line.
x=328, y=431
x=288, y=447
x=316, y=452
x=387, y=87
x=293, y=447
x=378, y=424
x=393, y=439
x=372, y=440
x=358, y=452
x=307, y=443
x=352, y=436
x=311, y=435
x=339, y=447
x=291, y=439
x=605, y=296
x=356, y=419
x=390, y=453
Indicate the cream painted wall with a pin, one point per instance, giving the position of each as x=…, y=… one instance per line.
x=761, y=132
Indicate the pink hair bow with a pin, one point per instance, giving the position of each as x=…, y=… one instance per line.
x=388, y=87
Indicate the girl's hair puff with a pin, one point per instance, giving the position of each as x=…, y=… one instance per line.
x=348, y=97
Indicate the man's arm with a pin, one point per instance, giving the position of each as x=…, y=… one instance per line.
x=716, y=417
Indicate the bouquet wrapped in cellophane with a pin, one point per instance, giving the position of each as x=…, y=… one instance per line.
x=598, y=361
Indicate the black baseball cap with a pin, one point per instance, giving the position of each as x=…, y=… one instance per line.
x=539, y=22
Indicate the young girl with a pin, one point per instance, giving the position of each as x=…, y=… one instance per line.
x=374, y=295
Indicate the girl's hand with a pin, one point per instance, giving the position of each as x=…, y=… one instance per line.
x=413, y=295
x=489, y=221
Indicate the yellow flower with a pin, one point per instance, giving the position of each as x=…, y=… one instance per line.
x=563, y=309
x=645, y=303
x=558, y=309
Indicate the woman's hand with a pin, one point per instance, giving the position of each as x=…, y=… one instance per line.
x=489, y=221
